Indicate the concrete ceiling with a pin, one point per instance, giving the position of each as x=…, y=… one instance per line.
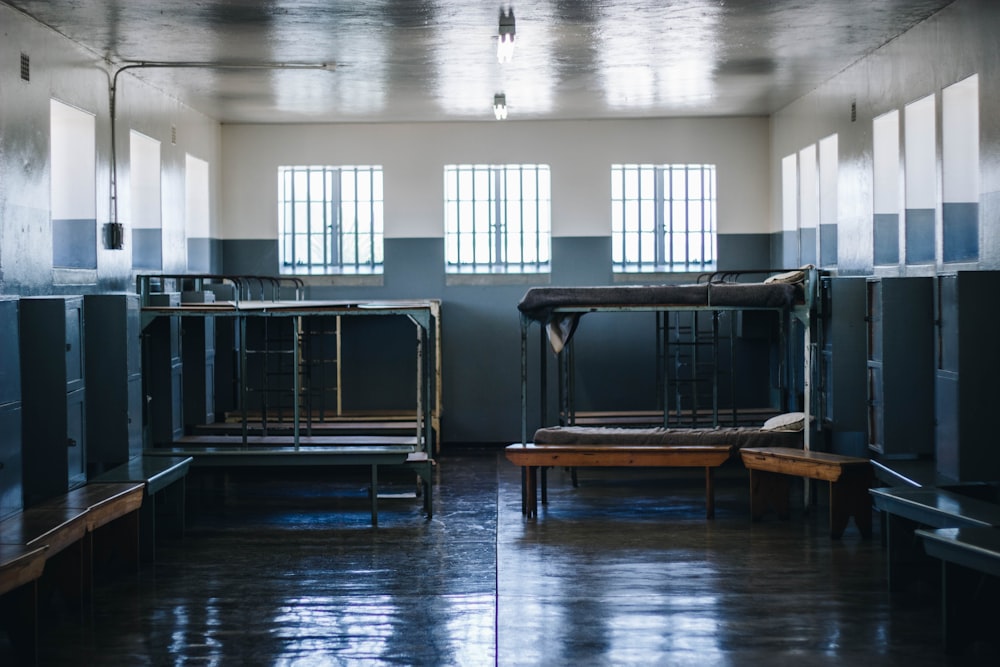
x=435, y=60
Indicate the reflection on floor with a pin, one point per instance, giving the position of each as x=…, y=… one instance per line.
x=623, y=570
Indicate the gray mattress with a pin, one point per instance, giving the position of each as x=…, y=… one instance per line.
x=539, y=303
x=736, y=437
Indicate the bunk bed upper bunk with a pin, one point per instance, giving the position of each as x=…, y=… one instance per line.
x=559, y=308
x=791, y=293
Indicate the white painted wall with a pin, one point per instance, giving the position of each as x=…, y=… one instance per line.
x=580, y=154
x=63, y=71
x=956, y=43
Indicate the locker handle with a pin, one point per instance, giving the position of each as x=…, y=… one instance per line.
x=71, y=442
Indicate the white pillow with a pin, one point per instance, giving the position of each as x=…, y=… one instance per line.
x=790, y=421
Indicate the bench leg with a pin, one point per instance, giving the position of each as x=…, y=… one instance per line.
x=709, y=492
x=850, y=498
x=531, y=491
x=19, y=616
x=769, y=489
x=543, y=483
x=374, y=494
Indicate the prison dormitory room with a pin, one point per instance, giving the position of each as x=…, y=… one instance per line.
x=471, y=333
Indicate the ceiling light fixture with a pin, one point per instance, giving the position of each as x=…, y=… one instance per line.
x=505, y=40
x=500, y=106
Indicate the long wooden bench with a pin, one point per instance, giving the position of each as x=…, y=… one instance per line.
x=60, y=529
x=163, y=480
x=908, y=508
x=849, y=480
x=970, y=574
x=111, y=508
x=532, y=456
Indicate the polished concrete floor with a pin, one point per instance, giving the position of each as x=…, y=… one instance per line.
x=622, y=570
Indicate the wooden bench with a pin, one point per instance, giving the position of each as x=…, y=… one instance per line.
x=849, y=477
x=970, y=572
x=908, y=508
x=21, y=567
x=61, y=529
x=109, y=508
x=163, y=480
x=530, y=457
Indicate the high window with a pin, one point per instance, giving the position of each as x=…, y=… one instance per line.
x=663, y=217
x=330, y=219
x=497, y=218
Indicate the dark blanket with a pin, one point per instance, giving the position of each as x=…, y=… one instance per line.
x=538, y=303
x=542, y=303
x=737, y=437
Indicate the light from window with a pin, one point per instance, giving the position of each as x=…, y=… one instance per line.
x=663, y=217
x=497, y=218
x=330, y=219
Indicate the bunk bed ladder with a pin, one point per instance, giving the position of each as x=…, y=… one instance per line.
x=320, y=369
x=272, y=366
x=695, y=379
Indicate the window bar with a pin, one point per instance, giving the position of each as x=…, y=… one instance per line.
x=701, y=235
x=475, y=198
x=668, y=223
x=330, y=241
x=499, y=215
x=371, y=221
x=289, y=229
x=358, y=232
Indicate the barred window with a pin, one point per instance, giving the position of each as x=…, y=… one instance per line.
x=497, y=218
x=330, y=219
x=663, y=217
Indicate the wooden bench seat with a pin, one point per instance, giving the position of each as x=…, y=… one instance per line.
x=908, y=508
x=531, y=456
x=163, y=480
x=970, y=574
x=20, y=565
x=52, y=534
x=61, y=531
x=111, y=509
x=849, y=479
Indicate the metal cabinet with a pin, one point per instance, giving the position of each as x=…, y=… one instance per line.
x=163, y=374
x=114, y=376
x=900, y=316
x=198, y=357
x=967, y=360
x=842, y=392
x=11, y=490
x=53, y=396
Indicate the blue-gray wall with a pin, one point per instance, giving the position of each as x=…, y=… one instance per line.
x=481, y=333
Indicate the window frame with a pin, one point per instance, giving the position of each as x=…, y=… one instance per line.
x=338, y=236
x=518, y=231
x=647, y=220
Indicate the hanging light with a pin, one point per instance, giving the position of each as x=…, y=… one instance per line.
x=500, y=106
x=505, y=40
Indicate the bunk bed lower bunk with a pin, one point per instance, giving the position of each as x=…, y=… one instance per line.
x=296, y=440
x=558, y=310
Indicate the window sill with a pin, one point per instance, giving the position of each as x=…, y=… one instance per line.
x=659, y=277
x=339, y=279
x=458, y=279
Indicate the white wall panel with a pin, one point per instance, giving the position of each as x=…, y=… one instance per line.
x=413, y=156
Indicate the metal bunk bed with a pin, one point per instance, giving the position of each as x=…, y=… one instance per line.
x=559, y=310
x=245, y=448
